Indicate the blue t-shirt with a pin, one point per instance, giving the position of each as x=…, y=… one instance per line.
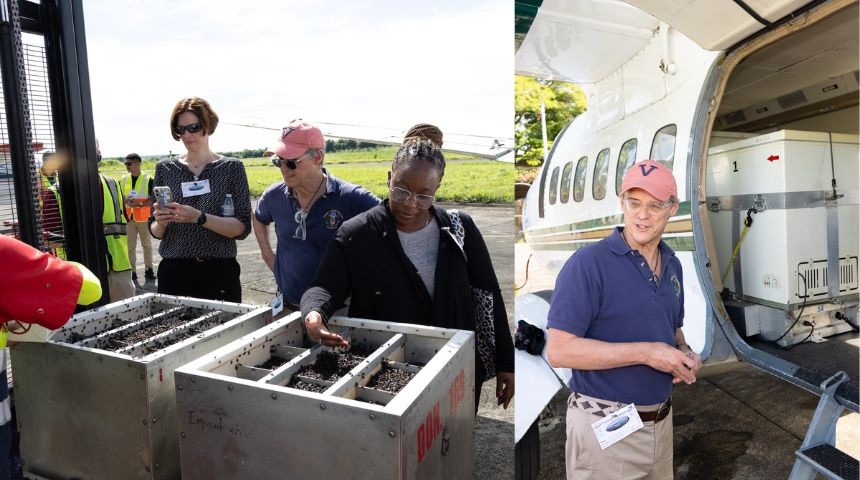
x=606, y=292
x=296, y=260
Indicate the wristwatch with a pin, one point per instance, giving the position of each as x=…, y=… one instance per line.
x=202, y=218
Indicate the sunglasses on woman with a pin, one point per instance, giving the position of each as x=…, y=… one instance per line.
x=190, y=128
x=292, y=164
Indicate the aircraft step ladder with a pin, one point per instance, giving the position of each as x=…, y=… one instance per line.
x=817, y=453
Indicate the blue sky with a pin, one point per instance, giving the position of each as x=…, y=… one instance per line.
x=377, y=63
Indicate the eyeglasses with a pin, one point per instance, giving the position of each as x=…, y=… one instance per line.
x=190, y=128
x=653, y=208
x=292, y=164
x=400, y=195
x=301, y=230
x=128, y=164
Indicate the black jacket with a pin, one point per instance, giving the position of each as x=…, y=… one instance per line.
x=365, y=260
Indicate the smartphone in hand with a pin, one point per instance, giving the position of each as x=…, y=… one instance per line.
x=162, y=196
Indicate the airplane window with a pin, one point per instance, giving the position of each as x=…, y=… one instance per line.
x=626, y=158
x=601, y=172
x=579, y=180
x=565, y=182
x=663, y=146
x=553, y=186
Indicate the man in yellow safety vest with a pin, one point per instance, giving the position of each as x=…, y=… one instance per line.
x=119, y=266
x=136, y=188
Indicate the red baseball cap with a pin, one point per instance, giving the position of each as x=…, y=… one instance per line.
x=653, y=177
x=296, y=138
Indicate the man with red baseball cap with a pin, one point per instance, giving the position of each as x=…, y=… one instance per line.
x=615, y=320
x=307, y=208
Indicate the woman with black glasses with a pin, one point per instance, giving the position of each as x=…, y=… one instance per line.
x=307, y=208
x=208, y=209
x=410, y=261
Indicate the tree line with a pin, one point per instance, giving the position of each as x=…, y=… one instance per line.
x=340, y=144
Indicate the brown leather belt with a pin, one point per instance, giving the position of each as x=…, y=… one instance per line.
x=603, y=408
x=657, y=415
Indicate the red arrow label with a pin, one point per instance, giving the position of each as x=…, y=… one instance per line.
x=772, y=158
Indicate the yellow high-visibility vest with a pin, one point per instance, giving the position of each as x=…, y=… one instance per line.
x=114, y=226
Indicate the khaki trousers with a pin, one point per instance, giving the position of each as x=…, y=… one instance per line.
x=645, y=454
x=132, y=230
x=120, y=285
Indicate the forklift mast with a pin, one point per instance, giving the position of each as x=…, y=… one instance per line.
x=48, y=108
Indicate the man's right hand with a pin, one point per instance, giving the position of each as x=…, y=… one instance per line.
x=318, y=332
x=671, y=360
x=268, y=258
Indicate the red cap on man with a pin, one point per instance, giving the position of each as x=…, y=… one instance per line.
x=296, y=139
x=653, y=177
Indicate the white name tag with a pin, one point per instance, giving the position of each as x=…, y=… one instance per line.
x=193, y=189
x=615, y=427
x=277, y=304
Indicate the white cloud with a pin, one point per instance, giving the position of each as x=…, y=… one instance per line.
x=378, y=63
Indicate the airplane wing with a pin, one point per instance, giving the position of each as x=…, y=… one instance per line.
x=494, y=148
x=583, y=41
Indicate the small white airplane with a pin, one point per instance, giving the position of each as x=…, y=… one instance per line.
x=754, y=105
x=493, y=148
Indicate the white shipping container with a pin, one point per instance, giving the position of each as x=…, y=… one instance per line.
x=790, y=172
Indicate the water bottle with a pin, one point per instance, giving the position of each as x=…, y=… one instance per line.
x=227, y=207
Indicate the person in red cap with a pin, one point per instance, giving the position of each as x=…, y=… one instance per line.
x=38, y=288
x=307, y=208
x=615, y=320
x=209, y=211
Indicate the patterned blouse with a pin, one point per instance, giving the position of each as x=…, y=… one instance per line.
x=188, y=240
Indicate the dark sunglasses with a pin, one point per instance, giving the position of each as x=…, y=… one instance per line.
x=128, y=164
x=190, y=128
x=292, y=164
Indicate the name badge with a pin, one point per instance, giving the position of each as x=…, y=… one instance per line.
x=193, y=189
x=617, y=426
x=277, y=304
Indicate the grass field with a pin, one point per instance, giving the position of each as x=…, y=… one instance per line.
x=466, y=181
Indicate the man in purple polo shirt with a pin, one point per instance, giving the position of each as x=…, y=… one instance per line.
x=615, y=320
x=307, y=209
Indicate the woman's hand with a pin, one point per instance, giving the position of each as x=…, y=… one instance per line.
x=163, y=213
x=504, y=388
x=181, y=213
x=318, y=332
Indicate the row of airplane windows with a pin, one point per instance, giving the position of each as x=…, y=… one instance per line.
x=662, y=150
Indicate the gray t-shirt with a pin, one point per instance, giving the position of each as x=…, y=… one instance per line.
x=422, y=248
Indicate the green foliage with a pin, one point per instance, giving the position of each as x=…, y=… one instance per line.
x=562, y=102
x=341, y=144
x=246, y=153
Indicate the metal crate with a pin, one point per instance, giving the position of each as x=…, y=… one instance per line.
x=96, y=401
x=240, y=418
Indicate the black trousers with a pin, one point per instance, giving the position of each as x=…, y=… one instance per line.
x=212, y=279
